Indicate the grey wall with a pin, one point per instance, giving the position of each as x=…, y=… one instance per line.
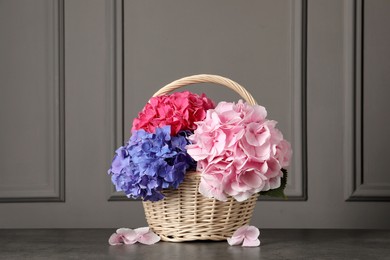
x=75, y=73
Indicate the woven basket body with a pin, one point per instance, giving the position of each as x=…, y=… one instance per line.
x=186, y=215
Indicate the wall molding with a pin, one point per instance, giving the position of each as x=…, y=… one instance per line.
x=54, y=191
x=115, y=82
x=356, y=189
x=297, y=191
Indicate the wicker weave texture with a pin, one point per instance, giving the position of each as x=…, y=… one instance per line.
x=186, y=215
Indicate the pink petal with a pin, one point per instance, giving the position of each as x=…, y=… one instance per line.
x=224, y=106
x=240, y=231
x=250, y=138
x=239, y=186
x=259, y=113
x=257, y=134
x=141, y=230
x=235, y=240
x=238, y=236
x=243, y=196
x=219, y=142
x=196, y=152
x=248, y=234
x=218, y=194
x=275, y=182
x=252, y=233
x=115, y=239
x=129, y=235
x=210, y=191
x=122, y=231
x=205, y=189
x=263, y=152
x=252, y=179
x=251, y=243
x=149, y=238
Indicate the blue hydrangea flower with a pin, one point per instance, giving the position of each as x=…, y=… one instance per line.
x=150, y=162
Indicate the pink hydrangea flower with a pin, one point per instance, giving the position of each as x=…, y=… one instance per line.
x=239, y=151
x=180, y=110
x=245, y=235
x=129, y=236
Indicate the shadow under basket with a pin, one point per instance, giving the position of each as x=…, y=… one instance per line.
x=186, y=215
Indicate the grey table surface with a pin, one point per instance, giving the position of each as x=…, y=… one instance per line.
x=275, y=244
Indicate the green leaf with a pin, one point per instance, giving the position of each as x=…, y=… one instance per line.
x=278, y=192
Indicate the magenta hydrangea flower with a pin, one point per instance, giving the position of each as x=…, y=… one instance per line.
x=179, y=110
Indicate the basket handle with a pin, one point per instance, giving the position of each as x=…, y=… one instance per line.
x=206, y=78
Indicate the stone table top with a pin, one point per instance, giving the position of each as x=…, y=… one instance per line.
x=275, y=244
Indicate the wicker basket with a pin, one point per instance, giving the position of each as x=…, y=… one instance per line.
x=186, y=215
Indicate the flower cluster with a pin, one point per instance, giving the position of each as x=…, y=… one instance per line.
x=239, y=151
x=151, y=162
x=179, y=110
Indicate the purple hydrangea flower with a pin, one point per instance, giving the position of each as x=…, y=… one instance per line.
x=150, y=162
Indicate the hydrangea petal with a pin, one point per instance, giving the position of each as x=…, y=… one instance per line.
x=149, y=238
x=129, y=236
x=211, y=187
x=252, y=179
x=242, y=196
x=115, y=239
x=142, y=230
x=123, y=231
x=247, y=235
x=252, y=232
x=235, y=240
x=205, y=189
x=240, y=231
x=251, y=243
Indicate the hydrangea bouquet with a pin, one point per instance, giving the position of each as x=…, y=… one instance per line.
x=235, y=148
